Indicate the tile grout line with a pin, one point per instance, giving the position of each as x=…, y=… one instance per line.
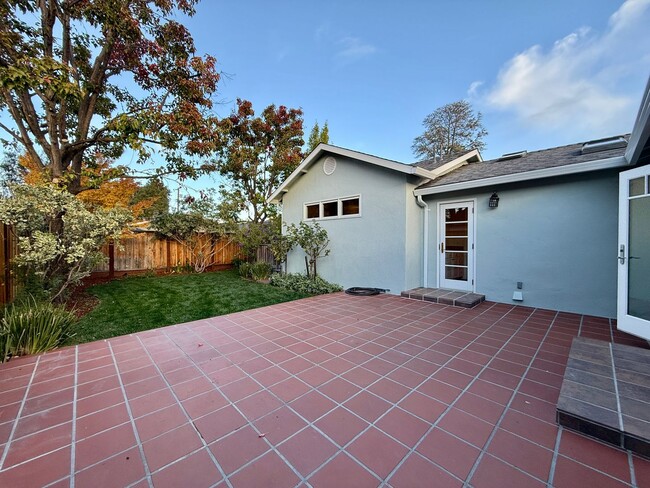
x=630, y=461
x=250, y=423
x=309, y=423
x=395, y=406
x=464, y=390
x=187, y=416
x=556, y=452
x=393, y=347
x=582, y=317
x=20, y=411
x=498, y=422
x=386, y=334
x=73, y=438
x=147, y=471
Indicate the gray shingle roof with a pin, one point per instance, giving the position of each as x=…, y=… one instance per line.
x=534, y=160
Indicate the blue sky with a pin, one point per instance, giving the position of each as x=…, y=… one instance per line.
x=543, y=73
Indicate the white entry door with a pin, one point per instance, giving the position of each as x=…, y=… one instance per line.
x=633, y=310
x=456, y=246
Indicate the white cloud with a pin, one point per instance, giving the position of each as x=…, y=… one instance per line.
x=472, y=91
x=582, y=84
x=353, y=48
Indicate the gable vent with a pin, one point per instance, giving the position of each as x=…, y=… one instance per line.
x=329, y=165
x=513, y=155
x=604, y=144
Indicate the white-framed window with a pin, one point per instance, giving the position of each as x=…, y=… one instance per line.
x=334, y=208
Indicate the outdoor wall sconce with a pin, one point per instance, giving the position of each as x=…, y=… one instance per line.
x=494, y=200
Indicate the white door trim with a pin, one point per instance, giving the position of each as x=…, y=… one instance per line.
x=625, y=322
x=471, y=275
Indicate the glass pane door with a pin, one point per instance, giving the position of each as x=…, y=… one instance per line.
x=634, y=252
x=456, y=227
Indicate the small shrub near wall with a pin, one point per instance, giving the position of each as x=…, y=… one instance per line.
x=304, y=284
x=255, y=271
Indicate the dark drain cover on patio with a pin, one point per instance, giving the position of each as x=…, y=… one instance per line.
x=606, y=393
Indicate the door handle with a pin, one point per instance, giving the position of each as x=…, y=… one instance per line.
x=442, y=248
x=621, y=254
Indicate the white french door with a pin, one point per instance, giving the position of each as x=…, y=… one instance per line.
x=456, y=246
x=633, y=310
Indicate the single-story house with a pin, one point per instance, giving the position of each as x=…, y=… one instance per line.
x=565, y=228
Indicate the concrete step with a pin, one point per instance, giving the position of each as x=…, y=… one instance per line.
x=445, y=297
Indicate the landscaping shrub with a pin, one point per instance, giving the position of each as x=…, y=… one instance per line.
x=33, y=327
x=237, y=262
x=261, y=270
x=60, y=240
x=245, y=269
x=304, y=284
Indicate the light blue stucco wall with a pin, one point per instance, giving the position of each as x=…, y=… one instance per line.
x=370, y=250
x=558, y=236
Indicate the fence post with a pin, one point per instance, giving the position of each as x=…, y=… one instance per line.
x=169, y=254
x=111, y=259
x=5, y=265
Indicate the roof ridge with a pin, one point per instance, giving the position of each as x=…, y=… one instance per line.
x=626, y=136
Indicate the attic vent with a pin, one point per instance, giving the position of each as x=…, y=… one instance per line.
x=513, y=155
x=329, y=165
x=604, y=144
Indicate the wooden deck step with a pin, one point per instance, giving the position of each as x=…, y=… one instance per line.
x=606, y=393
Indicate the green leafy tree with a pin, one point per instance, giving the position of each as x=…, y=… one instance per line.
x=318, y=135
x=50, y=262
x=448, y=130
x=79, y=78
x=157, y=193
x=313, y=239
x=258, y=154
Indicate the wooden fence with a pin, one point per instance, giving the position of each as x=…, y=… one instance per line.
x=134, y=254
x=145, y=252
x=8, y=249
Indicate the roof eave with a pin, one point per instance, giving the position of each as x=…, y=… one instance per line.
x=276, y=196
x=599, y=164
x=641, y=131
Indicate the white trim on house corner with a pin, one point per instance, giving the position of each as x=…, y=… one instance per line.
x=367, y=158
x=641, y=130
x=616, y=162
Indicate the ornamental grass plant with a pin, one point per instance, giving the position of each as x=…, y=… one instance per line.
x=32, y=327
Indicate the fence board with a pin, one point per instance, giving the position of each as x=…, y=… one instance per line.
x=144, y=251
x=136, y=253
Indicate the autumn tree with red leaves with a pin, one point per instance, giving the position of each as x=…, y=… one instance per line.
x=80, y=77
x=258, y=154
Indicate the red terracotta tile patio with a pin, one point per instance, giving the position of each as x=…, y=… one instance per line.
x=328, y=391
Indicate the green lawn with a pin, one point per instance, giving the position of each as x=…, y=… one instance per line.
x=142, y=303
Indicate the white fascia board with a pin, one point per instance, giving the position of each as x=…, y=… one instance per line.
x=335, y=150
x=641, y=130
x=599, y=164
